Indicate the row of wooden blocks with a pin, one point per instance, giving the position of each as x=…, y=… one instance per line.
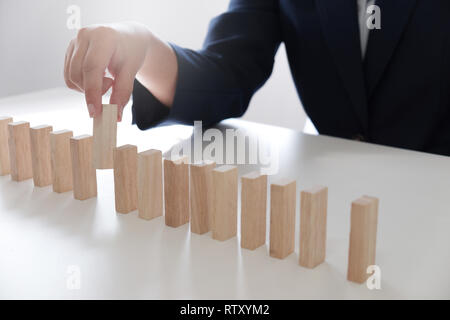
x=201, y=194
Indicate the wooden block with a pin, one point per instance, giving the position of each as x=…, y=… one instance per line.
x=105, y=136
x=150, y=184
x=20, y=150
x=313, y=226
x=225, y=185
x=201, y=196
x=363, y=238
x=83, y=171
x=253, y=210
x=41, y=155
x=5, y=166
x=125, y=178
x=176, y=191
x=62, y=177
x=282, y=218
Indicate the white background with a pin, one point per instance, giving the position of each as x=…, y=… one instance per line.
x=34, y=36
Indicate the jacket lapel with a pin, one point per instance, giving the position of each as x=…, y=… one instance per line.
x=383, y=42
x=339, y=21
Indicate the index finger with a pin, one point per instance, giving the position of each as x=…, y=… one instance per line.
x=94, y=66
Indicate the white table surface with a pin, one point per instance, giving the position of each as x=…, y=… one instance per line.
x=122, y=256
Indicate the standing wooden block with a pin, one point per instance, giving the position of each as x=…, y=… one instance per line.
x=201, y=196
x=150, y=184
x=125, y=178
x=313, y=226
x=282, y=218
x=363, y=238
x=61, y=161
x=105, y=136
x=253, y=210
x=20, y=151
x=225, y=185
x=5, y=166
x=83, y=171
x=176, y=191
x=41, y=155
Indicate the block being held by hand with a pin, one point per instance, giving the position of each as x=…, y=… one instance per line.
x=105, y=137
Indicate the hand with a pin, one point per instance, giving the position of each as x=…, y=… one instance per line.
x=119, y=48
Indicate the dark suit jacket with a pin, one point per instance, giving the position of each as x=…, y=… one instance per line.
x=399, y=95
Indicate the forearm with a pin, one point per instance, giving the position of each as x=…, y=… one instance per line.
x=158, y=73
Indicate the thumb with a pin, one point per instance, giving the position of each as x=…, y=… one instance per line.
x=121, y=91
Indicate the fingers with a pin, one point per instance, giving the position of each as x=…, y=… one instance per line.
x=93, y=68
x=76, y=63
x=67, y=58
x=96, y=49
x=122, y=89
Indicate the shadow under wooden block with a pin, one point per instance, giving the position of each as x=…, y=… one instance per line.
x=20, y=150
x=201, y=186
x=363, y=238
x=5, y=165
x=176, y=191
x=41, y=155
x=225, y=185
x=150, y=184
x=282, y=218
x=84, y=175
x=313, y=226
x=253, y=210
x=125, y=178
x=62, y=177
x=105, y=137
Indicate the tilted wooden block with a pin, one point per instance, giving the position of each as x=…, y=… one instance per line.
x=20, y=150
x=363, y=238
x=225, y=185
x=253, y=210
x=201, y=196
x=105, y=136
x=83, y=171
x=125, y=178
x=150, y=184
x=176, y=191
x=41, y=155
x=62, y=177
x=313, y=226
x=5, y=166
x=282, y=218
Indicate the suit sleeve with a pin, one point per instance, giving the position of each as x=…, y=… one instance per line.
x=218, y=81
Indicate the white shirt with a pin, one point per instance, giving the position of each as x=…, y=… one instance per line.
x=363, y=29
